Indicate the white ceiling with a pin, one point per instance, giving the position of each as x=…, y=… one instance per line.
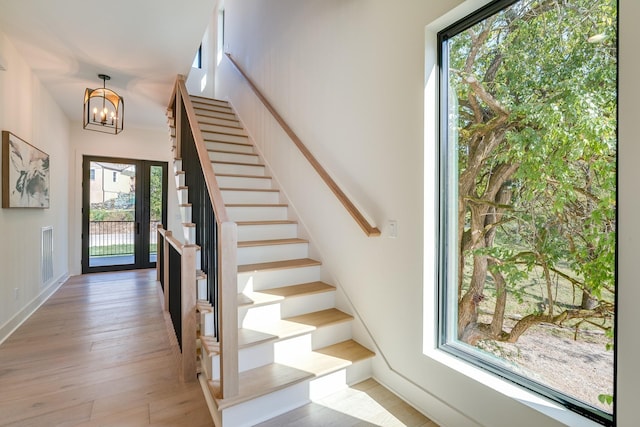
x=141, y=44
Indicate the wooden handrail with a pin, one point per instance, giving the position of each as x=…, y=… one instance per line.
x=227, y=248
x=207, y=169
x=369, y=229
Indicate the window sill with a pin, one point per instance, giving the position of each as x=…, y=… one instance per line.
x=540, y=404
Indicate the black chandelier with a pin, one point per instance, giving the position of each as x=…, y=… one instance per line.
x=103, y=109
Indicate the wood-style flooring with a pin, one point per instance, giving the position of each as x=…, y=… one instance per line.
x=97, y=353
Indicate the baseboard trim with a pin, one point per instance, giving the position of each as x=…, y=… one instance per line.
x=21, y=316
x=429, y=405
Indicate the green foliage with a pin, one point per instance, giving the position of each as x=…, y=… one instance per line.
x=533, y=111
x=607, y=399
x=155, y=193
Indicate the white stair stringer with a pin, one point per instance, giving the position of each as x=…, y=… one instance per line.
x=293, y=344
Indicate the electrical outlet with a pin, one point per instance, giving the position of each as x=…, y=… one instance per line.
x=392, y=229
x=16, y=294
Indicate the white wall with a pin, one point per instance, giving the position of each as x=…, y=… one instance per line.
x=141, y=144
x=27, y=110
x=350, y=78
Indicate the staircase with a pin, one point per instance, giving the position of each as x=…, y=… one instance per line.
x=294, y=345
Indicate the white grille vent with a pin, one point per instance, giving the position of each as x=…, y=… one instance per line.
x=46, y=262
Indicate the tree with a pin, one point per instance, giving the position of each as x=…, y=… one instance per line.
x=155, y=193
x=533, y=90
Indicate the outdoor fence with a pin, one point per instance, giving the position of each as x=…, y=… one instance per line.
x=108, y=238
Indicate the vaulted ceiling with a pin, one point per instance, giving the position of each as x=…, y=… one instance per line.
x=141, y=44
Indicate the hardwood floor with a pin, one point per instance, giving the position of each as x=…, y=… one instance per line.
x=97, y=353
x=366, y=404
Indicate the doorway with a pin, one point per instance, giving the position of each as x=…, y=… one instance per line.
x=123, y=201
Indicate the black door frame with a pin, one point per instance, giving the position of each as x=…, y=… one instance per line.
x=142, y=207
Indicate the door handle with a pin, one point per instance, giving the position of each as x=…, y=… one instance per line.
x=137, y=228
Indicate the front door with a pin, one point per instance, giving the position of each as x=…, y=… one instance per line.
x=123, y=201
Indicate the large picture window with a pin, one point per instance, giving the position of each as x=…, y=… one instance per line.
x=528, y=196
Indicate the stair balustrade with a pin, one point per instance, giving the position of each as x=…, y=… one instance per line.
x=177, y=266
x=215, y=238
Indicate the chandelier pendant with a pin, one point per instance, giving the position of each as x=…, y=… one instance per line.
x=103, y=109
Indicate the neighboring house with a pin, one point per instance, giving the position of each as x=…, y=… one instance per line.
x=357, y=81
x=109, y=180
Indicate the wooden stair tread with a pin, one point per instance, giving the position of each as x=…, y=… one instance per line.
x=278, y=265
x=206, y=113
x=245, y=144
x=258, y=190
x=329, y=359
x=235, y=175
x=259, y=382
x=216, y=109
x=321, y=318
x=275, y=222
x=223, y=162
x=204, y=98
x=210, y=150
x=247, y=337
x=347, y=350
x=224, y=109
x=273, y=242
x=281, y=329
x=298, y=290
x=257, y=299
x=256, y=205
x=237, y=126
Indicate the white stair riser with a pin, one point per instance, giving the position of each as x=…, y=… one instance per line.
x=257, y=213
x=206, y=113
x=180, y=179
x=259, y=183
x=250, y=357
x=359, y=371
x=222, y=137
x=266, y=407
x=206, y=362
x=207, y=324
x=185, y=213
x=267, y=232
x=203, y=291
x=257, y=254
x=302, y=304
x=189, y=234
x=224, y=146
x=252, y=317
x=211, y=109
x=328, y=384
x=261, y=197
x=211, y=101
x=258, y=280
x=212, y=125
x=288, y=349
x=330, y=334
x=177, y=165
x=183, y=195
x=231, y=168
x=220, y=156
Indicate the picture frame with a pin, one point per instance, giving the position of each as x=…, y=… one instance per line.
x=25, y=174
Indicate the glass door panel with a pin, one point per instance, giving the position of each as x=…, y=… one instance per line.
x=124, y=200
x=112, y=213
x=156, y=179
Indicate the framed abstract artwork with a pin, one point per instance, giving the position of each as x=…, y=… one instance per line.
x=25, y=174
